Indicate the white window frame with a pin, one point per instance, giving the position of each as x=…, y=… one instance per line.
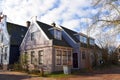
x=91, y=41
x=5, y=54
x=32, y=57
x=40, y=57
x=59, y=57
x=62, y=52
x=57, y=34
x=32, y=36
x=83, y=39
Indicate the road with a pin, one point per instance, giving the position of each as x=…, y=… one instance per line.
x=108, y=74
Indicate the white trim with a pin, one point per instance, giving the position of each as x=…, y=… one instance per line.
x=69, y=36
x=42, y=31
x=30, y=28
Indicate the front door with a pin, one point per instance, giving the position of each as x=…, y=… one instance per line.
x=75, y=60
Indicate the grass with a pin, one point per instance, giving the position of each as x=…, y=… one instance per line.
x=58, y=75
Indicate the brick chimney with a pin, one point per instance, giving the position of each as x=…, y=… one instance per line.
x=53, y=24
x=28, y=23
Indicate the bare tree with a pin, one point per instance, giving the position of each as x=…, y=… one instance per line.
x=107, y=43
x=108, y=14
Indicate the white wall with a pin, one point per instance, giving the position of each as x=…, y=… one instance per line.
x=5, y=42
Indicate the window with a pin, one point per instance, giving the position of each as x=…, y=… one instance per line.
x=1, y=37
x=69, y=58
x=1, y=50
x=57, y=34
x=40, y=57
x=32, y=57
x=58, y=57
x=83, y=39
x=91, y=41
x=83, y=55
x=65, y=57
x=25, y=57
x=6, y=48
x=32, y=36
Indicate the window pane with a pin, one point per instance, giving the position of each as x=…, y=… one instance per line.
x=6, y=48
x=91, y=41
x=69, y=58
x=32, y=57
x=83, y=55
x=64, y=57
x=25, y=57
x=40, y=57
x=32, y=36
x=58, y=34
x=83, y=39
x=58, y=57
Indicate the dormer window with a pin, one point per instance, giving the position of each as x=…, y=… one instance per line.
x=56, y=31
x=91, y=41
x=83, y=39
x=57, y=34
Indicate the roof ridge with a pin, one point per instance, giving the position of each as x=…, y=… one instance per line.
x=69, y=29
x=16, y=24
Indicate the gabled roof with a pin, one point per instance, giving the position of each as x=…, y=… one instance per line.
x=71, y=33
x=45, y=28
x=16, y=32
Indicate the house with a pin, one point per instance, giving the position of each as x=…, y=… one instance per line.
x=11, y=36
x=53, y=46
x=45, y=47
x=84, y=53
x=118, y=51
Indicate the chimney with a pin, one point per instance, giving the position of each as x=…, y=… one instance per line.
x=28, y=23
x=2, y=16
x=53, y=24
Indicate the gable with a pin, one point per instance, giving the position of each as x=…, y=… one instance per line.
x=34, y=38
x=45, y=28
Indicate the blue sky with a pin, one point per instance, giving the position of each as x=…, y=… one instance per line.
x=69, y=13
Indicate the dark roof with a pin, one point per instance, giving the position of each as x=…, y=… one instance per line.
x=45, y=28
x=16, y=32
x=71, y=33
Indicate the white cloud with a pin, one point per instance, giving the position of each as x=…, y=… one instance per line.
x=18, y=11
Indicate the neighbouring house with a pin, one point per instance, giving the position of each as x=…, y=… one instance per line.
x=45, y=47
x=53, y=46
x=118, y=51
x=11, y=36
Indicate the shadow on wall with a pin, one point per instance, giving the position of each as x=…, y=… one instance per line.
x=13, y=77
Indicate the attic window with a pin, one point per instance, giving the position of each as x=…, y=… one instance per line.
x=57, y=34
x=92, y=41
x=83, y=39
x=32, y=35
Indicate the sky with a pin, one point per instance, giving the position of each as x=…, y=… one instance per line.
x=69, y=13
x=73, y=14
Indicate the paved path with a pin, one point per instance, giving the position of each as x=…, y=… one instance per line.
x=108, y=74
